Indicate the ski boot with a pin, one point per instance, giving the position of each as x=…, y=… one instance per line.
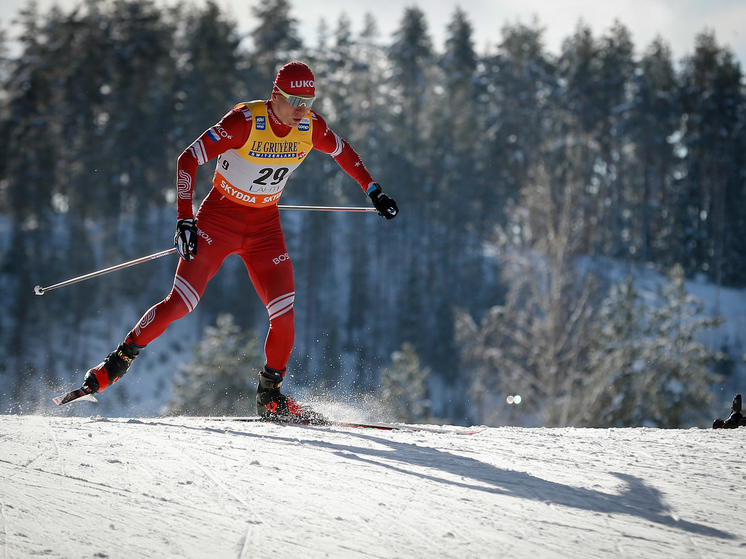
x=736, y=418
x=271, y=405
x=113, y=367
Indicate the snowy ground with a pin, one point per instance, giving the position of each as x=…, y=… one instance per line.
x=195, y=488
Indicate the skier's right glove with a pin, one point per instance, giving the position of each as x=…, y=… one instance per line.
x=386, y=206
x=186, y=238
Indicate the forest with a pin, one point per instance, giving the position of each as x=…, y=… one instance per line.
x=519, y=174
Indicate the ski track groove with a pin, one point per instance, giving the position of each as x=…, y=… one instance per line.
x=120, y=491
x=181, y=453
x=421, y=471
x=394, y=516
x=4, y=527
x=60, y=462
x=445, y=527
x=58, y=452
x=695, y=547
x=176, y=448
x=356, y=467
x=245, y=552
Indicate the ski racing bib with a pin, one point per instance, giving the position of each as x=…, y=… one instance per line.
x=256, y=173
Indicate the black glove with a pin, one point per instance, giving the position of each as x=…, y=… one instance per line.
x=386, y=206
x=186, y=238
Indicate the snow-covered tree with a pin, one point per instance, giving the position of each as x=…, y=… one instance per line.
x=657, y=371
x=616, y=359
x=536, y=342
x=222, y=376
x=403, y=389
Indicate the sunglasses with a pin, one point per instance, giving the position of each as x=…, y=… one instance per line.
x=295, y=100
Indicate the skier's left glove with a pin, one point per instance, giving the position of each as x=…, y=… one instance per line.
x=186, y=237
x=386, y=206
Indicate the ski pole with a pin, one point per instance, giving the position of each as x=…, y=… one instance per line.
x=39, y=290
x=328, y=208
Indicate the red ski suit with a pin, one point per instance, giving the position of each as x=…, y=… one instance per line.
x=231, y=223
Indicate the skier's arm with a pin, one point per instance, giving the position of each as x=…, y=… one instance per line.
x=326, y=141
x=230, y=133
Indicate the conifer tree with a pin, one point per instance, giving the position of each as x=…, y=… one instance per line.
x=276, y=41
x=515, y=94
x=404, y=387
x=536, y=343
x=211, y=78
x=458, y=161
x=649, y=364
x=618, y=186
x=411, y=55
x=655, y=119
x=677, y=390
x=222, y=376
x=714, y=184
x=615, y=360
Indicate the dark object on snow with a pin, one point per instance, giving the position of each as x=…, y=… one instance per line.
x=736, y=418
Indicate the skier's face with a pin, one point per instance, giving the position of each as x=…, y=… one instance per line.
x=288, y=115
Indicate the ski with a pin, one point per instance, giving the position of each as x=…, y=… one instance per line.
x=78, y=394
x=357, y=425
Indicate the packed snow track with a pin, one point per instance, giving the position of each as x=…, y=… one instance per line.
x=194, y=488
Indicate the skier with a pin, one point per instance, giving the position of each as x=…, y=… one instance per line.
x=258, y=144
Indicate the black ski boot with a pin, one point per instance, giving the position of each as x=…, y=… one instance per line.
x=113, y=367
x=271, y=405
x=736, y=418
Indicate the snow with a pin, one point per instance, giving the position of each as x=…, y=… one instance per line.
x=194, y=488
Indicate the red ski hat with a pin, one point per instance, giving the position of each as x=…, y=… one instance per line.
x=295, y=78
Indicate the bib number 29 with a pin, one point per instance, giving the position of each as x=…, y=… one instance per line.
x=271, y=176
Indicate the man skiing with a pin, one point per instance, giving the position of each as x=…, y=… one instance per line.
x=258, y=145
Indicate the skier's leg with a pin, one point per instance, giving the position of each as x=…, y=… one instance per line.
x=189, y=283
x=271, y=273
x=272, y=277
